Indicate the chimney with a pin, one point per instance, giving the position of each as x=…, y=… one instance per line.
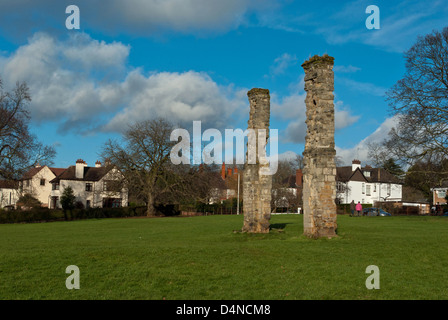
x=223, y=171
x=38, y=165
x=235, y=170
x=299, y=178
x=98, y=164
x=79, y=168
x=229, y=172
x=356, y=164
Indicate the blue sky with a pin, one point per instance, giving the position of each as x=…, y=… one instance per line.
x=192, y=60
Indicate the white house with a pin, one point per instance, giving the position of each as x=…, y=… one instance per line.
x=93, y=186
x=36, y=182
x=9, y=193
x=366, y=185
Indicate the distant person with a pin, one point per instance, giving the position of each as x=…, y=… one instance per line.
x=352, y=208
x=359, y=208
x=438, y=209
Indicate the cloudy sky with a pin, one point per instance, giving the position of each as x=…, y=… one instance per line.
x=189, y=60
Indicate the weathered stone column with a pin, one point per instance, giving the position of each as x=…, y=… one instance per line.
x=319, y=174
x=257, y=186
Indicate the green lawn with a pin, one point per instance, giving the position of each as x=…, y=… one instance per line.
x=202, y=258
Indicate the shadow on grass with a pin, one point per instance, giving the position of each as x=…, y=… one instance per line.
x=278, y=226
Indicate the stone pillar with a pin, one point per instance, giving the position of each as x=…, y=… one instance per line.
x=257, y=187
x=319, y=174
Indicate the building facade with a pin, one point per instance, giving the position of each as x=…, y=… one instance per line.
x=93, y=187
x=36, y=182
x=367, y=185
x=9, y=193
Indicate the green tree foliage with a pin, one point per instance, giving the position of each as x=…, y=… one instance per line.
x=67, y=200
x=392, y=167
x=28, y=201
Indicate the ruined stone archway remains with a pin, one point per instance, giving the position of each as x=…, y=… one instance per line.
x=319, y=174
x=256, y=186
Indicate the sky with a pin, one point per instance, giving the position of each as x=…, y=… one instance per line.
x=195, y=60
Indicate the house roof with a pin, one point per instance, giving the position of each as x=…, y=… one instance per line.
x=90, y=174
x=31, y=173
x=345, y=174
x=57, y=171
x=8, y=184
x=35, y=170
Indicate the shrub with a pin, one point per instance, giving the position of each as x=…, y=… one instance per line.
x=44, y=214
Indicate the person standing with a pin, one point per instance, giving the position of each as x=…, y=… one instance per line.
x=352, y=208
x=359, y=208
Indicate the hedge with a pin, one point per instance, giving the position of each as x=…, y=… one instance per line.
x=45, y=214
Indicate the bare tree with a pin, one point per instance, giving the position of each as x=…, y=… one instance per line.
x=284, y=192
x=424, y=175
x=144, y=159
x=19, y=149
x=420, y=102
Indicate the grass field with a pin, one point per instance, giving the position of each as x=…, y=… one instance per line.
x=202, y=258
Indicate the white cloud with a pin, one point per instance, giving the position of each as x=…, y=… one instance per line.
x=345, y=69
x=294, y=107
x=400, y=23
x=71, y=83
x=361, y=150
x=90, y=53
x=342, y=116
x=364, y=87
x=59, y=75
x=282, y=63
x=144, y=17
x=180, y=97
x=287, y=156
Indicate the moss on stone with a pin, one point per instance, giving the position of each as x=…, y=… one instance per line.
x=258, y=91
x=325, y=59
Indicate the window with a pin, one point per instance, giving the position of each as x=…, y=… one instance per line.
x=363, y=188
x=27, y=183
x=42, y=182
x=89, y=186
x=388, y=189
x=441, y=194
x=55, y=186
x=374, y=187
x=368, y=190
x=104, y=185
x=88, y=204
x=112, y=202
